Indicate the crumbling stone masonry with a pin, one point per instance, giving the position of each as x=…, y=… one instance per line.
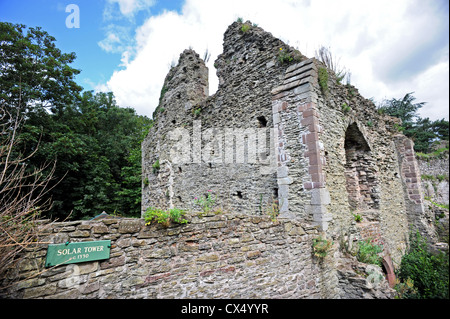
x=277, y=132
x=280, y=137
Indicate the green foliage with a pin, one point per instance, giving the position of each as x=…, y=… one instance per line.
x=164, y=217
x=357, y=218
x=422, y=131
x=369, y=123
x=368, y=252
x=345, y=108
x=207, y=202
x=156, y=167
x=326, y=57
x=197, y=110
x=428, y=271
x=35, y=76
x=94, y=142
x=435, y=154
x=321, y=246
x=245, y=27
x=444, y=206
x=323, y=79
x=284, y=56
x=405, y=288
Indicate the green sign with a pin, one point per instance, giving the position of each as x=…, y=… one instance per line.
x=69, y=253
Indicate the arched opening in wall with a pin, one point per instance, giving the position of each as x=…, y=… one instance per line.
x=360, y=171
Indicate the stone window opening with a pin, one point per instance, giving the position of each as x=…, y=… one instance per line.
x=262, y=121
x=360, y=171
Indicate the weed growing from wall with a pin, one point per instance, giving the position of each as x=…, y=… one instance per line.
x=207, y=202
x=321, y=246
x=368, y=252
x=323, y=79
x=164, y=217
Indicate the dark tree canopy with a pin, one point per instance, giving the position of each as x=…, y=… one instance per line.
x=94, y=142
x=422, y=131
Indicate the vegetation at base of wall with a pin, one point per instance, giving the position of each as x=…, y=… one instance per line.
x=321, y=246
x=427, y=271
x=323, y=79
x=368, y=252
x=164, y=217
x=357, y=217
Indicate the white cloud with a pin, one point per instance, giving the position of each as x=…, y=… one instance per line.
x=109, y=43
x=390, y=47
x=129, y=7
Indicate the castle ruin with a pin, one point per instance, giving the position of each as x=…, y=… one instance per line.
x=292, y=156
x=281, y=129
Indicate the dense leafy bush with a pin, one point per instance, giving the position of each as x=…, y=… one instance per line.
x=428, y=271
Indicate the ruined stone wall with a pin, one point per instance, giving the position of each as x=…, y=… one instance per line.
x=228, y=133
x=435, y=181
x=361, y=168
x=321, y=152
x=213, y=256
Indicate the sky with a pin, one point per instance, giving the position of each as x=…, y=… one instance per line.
x=390, y=47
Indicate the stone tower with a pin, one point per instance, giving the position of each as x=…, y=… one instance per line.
x=281, y=131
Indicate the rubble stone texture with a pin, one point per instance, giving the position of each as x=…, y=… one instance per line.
x=323, y=154
x=288, y=156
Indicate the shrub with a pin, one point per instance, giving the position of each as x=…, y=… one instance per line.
x=164, y=217
x=284, y=56
x=428, y=271
x=345, y=108
x=321, y=246
x=245, y=28
x=368, y=252
x=205, y=203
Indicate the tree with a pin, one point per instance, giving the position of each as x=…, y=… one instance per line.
x=22, y=195
x=403, y=108
x=97, y=145
x=422, y=131
x=34, y=74
x=89, y=137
